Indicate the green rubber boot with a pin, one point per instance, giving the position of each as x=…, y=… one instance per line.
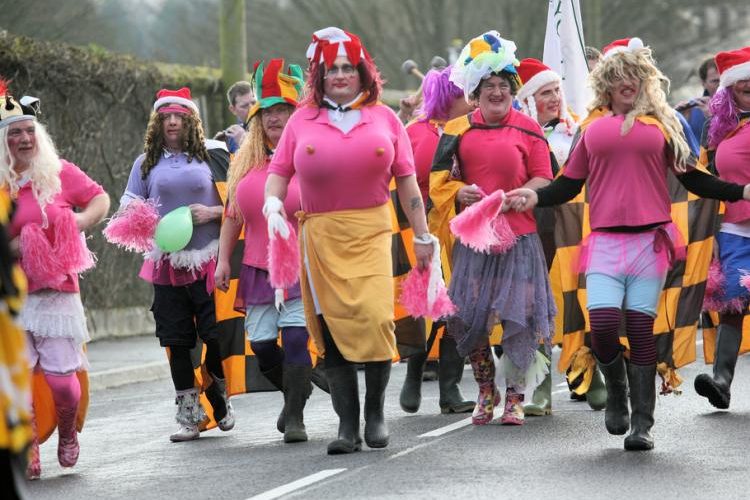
x=541, y=400
x=596, y=396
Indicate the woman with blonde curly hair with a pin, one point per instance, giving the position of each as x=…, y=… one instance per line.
x=288, y=369
x=628, y=142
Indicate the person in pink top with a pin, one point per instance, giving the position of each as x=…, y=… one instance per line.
x=442, y=101
x=728, y=154
x=46, y=190
x=496, y=148
x=290, y=368
x=627, y=145
x=344, y=147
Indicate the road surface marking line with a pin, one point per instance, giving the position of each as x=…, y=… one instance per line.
x=560, y=391
x=296, y=485
x=448, y=428
x=562, y=384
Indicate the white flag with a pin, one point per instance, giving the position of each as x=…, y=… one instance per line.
x=564, y=52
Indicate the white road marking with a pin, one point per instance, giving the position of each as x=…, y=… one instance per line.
x=448, y=428
x=296, y=485
x=561, y=391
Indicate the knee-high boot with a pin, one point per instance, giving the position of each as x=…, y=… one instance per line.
x=716, y=388
x=484, y=373
x=342, y=381
x=377, y=375
x=450, y=373
x=642, y=402
x=541, y=400
x=275, y=375
x=411, y=392
x=297, y=389
x=616, y=415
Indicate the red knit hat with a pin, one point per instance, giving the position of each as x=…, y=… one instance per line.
x=181, y=96
x=733, y=66
x=622, y=45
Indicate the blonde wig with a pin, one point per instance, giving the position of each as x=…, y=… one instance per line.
x=638, y=64
x=43, y=171
x=251, y=155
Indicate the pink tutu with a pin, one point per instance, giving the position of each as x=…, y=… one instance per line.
x=615, y=253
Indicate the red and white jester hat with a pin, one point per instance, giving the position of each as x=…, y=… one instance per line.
x=181, y=97
x=622, y=45
x=329, y=43
x=733, y=66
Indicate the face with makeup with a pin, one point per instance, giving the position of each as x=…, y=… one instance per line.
x=342, y=82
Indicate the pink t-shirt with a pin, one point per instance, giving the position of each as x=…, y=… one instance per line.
x=250, y=192
x=732, y=162
x=424, y=138
x=339, y=171
x=505, y=158
x=627, y=175
x=78, y=189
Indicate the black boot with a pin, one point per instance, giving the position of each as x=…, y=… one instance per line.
x=450, y=372
x=275, y=375
x=716, y=388
x=297, y=389
x=616, y=416
x=377, y=375
x=318, y=376
x=411, y=392
x=342, y=380
x=642, y=401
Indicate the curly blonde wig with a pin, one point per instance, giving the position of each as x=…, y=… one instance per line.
x=638, y=64
x=193, y=140
x=252, y=155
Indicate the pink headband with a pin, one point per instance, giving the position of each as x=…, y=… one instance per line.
x=174, y=108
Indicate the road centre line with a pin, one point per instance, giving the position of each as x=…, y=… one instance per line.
x=296, y=485
x=446, y=429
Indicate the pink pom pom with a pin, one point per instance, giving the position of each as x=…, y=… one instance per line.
x=414, y=296
x=504, y=234
x=712, y=299
x=283, y=260
x=133, y=226
x=745, y=279
x=37, y=258
x=70, y=246
x=477, y=227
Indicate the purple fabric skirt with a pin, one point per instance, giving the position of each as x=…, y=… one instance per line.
x=510, y=288
x=254, y=289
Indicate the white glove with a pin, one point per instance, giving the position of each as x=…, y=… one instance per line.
x=276, y=222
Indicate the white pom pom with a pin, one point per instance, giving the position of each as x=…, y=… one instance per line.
x=635, y=43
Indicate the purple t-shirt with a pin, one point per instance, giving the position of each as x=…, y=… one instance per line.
x=174, y=182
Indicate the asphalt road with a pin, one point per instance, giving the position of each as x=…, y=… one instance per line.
x=125, y=452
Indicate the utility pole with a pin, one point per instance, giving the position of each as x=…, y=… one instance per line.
x=232, y=46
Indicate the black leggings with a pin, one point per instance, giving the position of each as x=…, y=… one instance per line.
x=333, y=355
x=181, y=365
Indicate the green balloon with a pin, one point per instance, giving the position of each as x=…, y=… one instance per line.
x=174, y=230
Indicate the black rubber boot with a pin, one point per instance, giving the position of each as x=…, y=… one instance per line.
x=275, y=375
x=297, y=389
x=318, y=376
x=450, y=372
x=642, y=401
x=616, y=416
x=342, y=380
x=716, y=388
x=411, y=392
x=377, y=375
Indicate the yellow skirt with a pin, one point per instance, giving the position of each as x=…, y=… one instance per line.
x=346, y=257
